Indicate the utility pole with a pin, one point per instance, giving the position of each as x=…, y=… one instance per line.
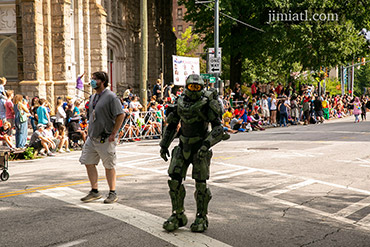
x=352, y=77
x=342, y=79
x=216, y=37
x=144, y=52
x=162, y=70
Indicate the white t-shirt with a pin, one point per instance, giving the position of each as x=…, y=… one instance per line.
x=264, y=104
x=273, y=104
x=48, y=133
x=61, y=115
x=134, y=105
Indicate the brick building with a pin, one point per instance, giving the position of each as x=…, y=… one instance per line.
x=46, y=44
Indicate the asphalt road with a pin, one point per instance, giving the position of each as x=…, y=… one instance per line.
x=295, y=186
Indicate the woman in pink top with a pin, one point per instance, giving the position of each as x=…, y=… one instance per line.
x=357, y=109
x=9, y=108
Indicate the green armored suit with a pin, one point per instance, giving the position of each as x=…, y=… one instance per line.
x=195, y=110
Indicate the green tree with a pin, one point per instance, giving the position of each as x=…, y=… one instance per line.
x=362, y=79
x=311, y=44
x=188, y=44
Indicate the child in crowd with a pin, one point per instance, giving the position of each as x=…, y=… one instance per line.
x=76, y=109
x=5, y=134
x=61, y=135
x=84, y=124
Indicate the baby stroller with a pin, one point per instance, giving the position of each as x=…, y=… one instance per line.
x=74, y=137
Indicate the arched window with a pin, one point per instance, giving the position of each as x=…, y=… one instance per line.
x=8, y=57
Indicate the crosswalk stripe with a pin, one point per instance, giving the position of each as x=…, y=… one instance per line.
x=353, y=207
x=144, y=221
x=292, y=187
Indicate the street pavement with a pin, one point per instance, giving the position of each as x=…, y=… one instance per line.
x=294, y=186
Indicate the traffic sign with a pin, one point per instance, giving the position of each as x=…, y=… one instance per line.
x=211, y=52
x=214, y=65
x=212, y=79
x=205, y=76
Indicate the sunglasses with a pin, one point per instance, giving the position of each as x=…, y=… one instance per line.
x=194, y=87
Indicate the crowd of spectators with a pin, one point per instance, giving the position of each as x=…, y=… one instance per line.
x=268, y=105
x=265, y=105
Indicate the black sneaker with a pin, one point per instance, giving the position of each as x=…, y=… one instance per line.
x=92, y=196
x=112, y=197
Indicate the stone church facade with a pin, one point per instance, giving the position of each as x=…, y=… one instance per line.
x=46, y=44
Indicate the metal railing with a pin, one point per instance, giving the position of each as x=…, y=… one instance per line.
x=142, y=125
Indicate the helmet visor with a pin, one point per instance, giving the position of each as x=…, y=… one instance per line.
x=194, y=87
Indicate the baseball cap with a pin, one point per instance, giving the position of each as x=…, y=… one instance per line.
x=40, y=125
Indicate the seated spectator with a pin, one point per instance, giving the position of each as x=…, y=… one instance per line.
x=130, y=130
x=61, y=135
x=5, y=134
x=39, y=141
x=49, y=133
x=228, y=115
x=227, y=126
x=84, y=125
x=236, y=123
x=136, y=107
x=253, y=122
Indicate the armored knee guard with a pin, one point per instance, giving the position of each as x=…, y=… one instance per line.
x=202, y=196
x=178, y=218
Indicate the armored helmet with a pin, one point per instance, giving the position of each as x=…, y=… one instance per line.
x=194, y=87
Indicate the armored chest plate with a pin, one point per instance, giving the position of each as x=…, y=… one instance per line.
x=191, y=112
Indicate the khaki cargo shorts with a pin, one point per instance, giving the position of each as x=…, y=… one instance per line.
x=265, y=112
x=93, y=151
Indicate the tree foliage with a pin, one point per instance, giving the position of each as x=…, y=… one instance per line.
x=362, y=80
x=188, y=44
x=250, y=54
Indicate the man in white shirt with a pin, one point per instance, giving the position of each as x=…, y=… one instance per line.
x=265, y=109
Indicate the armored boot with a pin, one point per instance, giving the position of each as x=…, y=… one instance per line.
x=178, y=218
x=202, y=196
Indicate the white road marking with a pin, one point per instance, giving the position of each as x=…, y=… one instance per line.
x=232, y=175
x=364, y=221
x=274, y=200
x=363, y=224
x=147, y=222
x=227, y=171
x=364, y=165
x=353, y=207
x=132, y=165
x=137, y=153
x=73, y=243
x=292, y=187
x=365, y=161
x=366, y=192
x=139, y=161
